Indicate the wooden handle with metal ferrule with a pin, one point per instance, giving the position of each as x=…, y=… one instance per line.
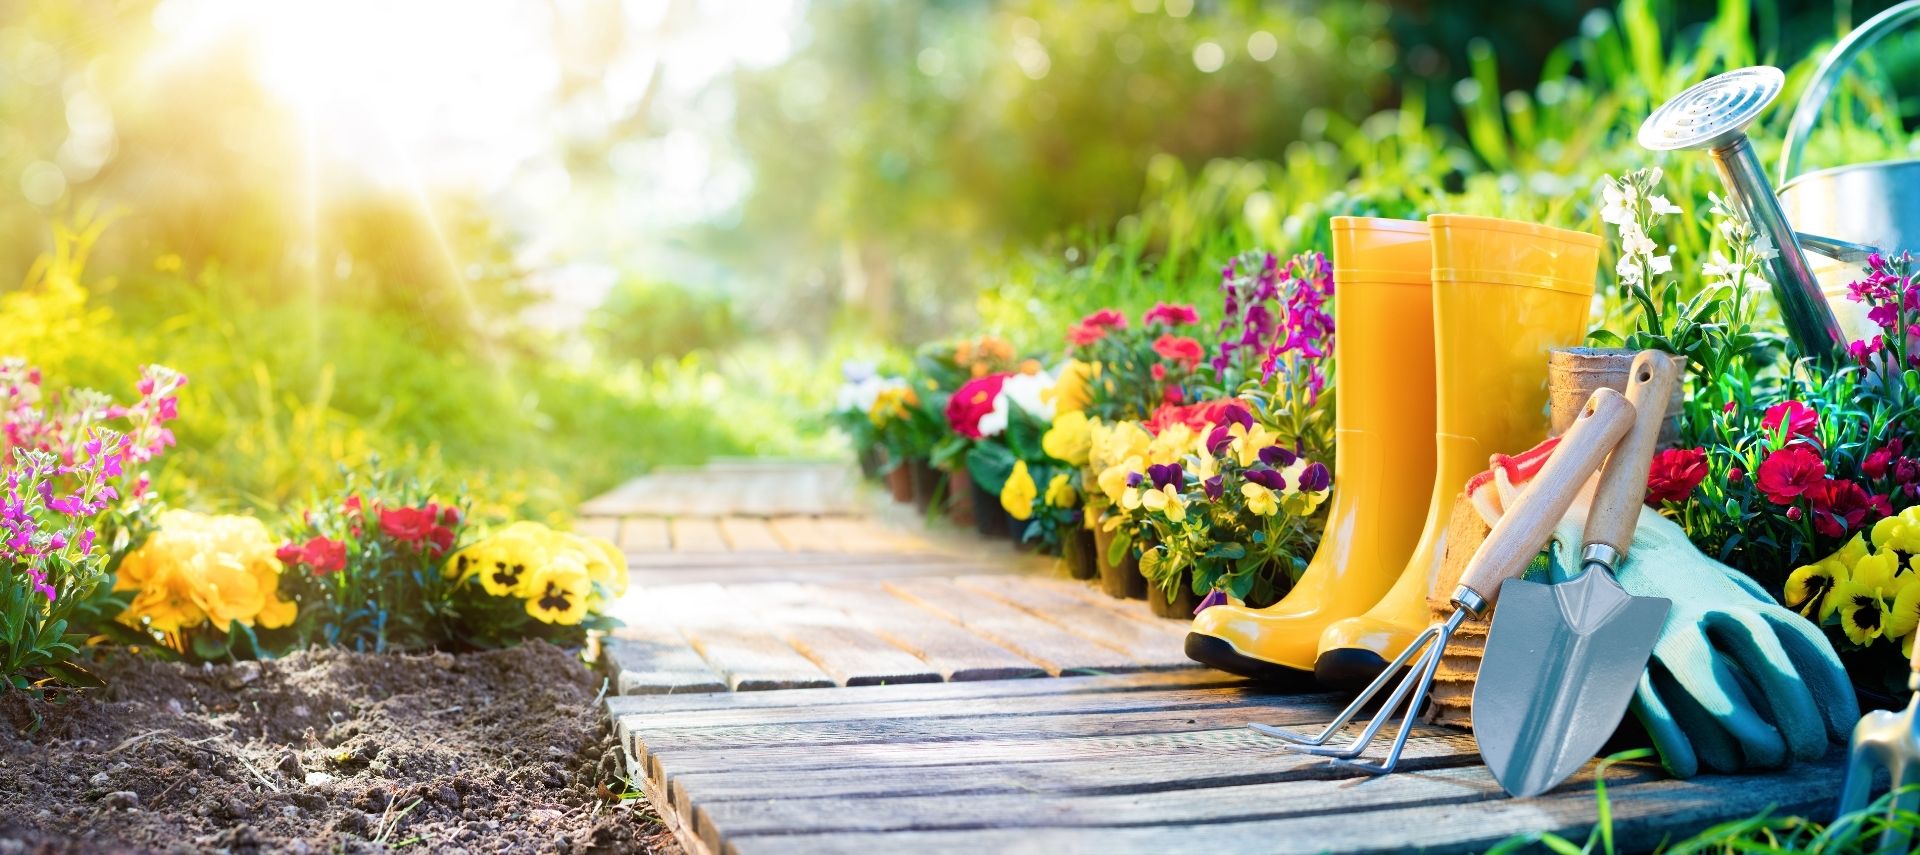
x=1623, y=483
x=1525, y=528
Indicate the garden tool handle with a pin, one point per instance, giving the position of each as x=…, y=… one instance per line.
x=1525, y=527
x=1836, y=63
x=1623, y=483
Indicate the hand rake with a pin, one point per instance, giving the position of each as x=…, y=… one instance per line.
x=1890, y=739
x=1511, y=546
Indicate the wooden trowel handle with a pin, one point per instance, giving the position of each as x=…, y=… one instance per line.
x=1623, y=483
x=1527, y=525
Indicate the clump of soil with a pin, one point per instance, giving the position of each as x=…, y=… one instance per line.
x=322, y=751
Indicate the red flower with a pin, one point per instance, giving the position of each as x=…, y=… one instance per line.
x=1840, y=506
x=1789, y=472
x=1201, y=417
x=290, y=553
x=449, y=515
x=407, y=525
x=441, y=539
x=1877, y=463
x=1173, y=316
x=1802, y=422
x=972, y=400
x=1158, y=371
x=324, y=556
x=1094, y=327
x=1180, y=349
x=354, y=506
x=1675, y=472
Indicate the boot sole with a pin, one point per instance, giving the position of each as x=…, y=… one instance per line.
x=1347, y=669
x=1217, y=653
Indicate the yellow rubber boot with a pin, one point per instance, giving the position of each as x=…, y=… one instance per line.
x=1504, y=293
x=1383, y=459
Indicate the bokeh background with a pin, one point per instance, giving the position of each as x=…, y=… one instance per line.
x=537, y=246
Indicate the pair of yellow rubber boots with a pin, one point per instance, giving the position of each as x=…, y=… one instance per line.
x=1441, y=333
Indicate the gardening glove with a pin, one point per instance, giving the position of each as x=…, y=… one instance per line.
x=1736, y=681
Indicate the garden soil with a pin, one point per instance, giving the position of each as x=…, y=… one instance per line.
x=322, y=751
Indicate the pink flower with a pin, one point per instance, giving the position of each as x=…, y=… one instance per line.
x=1179, y=349
x=1840, y=507
x=408, y=525
x=324, y=556
x=1789, y=472
x=1094, y=327
x=1675, y=472
x=1801, y=420
x=1173, y=316
x=972, y=400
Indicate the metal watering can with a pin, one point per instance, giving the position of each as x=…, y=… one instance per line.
x=1858, y=210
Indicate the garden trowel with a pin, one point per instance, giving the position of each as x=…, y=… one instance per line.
x=1562, y=661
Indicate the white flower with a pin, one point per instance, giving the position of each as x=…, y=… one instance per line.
x=1662, y=207
x=859, y=397
x=1023, y=391
x=1617, y=199
x=1629, y=270
x=1661, y=264
x=1717, y=267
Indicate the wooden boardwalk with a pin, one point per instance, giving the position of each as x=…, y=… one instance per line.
x=887, y=686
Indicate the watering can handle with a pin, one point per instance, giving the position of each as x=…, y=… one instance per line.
x=1828, y=74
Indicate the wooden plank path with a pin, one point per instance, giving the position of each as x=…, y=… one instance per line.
x=1133, y=763
x=806, y=670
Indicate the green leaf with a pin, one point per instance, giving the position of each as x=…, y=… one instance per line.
x=990, y=464
x=73, y=675
x=1118, y=550
x=1227, y=551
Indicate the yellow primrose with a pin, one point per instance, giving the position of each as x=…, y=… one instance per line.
x=1018, y=494
x=1070, y=439
x=1060, y=492
x=558, y=591
x=199, y=568
x=1260, y=500
x=1862, y=612
x=1172, y=444
x=1247, y=442
x=1069, y=393
x=1808, y=588
x=1109, y=445
x=891, y=404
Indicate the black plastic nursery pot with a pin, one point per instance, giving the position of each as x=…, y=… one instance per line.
x=959, y=497
x=988, y=517
x=1121, y=580
x=1076, y=551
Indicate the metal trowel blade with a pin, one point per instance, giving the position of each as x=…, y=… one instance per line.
x=1561, y=665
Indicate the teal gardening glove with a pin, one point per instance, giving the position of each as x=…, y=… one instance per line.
x=1736, y=681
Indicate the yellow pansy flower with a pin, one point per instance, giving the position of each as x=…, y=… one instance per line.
x=1247, y=442
x=1850, y=552
x=1876, y=571
x=606, y=564
x=1903, y=616
x=1019, y=492
x=1165, y=500
x=1863, y=612
x=1111, y=444
x=1260, y=500
x=1070, y=439
x=1113, y=479
x=892, y=404
x=558, y=591
x=1172, y=444
x=513, y=554
x=1060, y=492
x=1808, y=588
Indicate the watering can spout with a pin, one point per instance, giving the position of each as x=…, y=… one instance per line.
x=1713, y=116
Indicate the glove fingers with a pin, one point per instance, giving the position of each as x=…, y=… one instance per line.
x=1676, y=754
x=1752, y=648
x=1819, y=666
x=1713, y=746
x=1704, y=682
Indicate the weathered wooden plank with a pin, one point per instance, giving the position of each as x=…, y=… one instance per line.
x=802, y=534
x=799, y=813
x=1643, y=815
x=954, y=652
x=648, y=660
x=848, y=534
x=753, y=660
x=930, y=711
x=603, y=527
x=1053, y=648
x=649, y=573
x=811, y=620
x=696, y=534
x=644, y=535
x=1144, y=681
x=1106, y=623
x=1223, y=759
x=960, y=564
x=750, y=534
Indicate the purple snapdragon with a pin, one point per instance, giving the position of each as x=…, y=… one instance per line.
x=1278, y=317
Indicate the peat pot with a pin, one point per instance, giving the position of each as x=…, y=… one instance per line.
x=926, y=482
x=959, y=496
x=1076, y=552
x=900, y=480
x=1121, y=580
x=1574, y=372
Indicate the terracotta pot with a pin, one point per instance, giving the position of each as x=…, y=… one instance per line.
x=926, y=482
x=988, y=517
x=900, y=481
x=1077, y=551
x=1574, y=372
x=1122, y=580
x=871, y=459
x=1184, y=602
x=959, y=496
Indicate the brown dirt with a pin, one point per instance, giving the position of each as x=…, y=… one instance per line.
x=322, y=751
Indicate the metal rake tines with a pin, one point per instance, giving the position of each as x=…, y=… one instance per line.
x=1406, y=697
